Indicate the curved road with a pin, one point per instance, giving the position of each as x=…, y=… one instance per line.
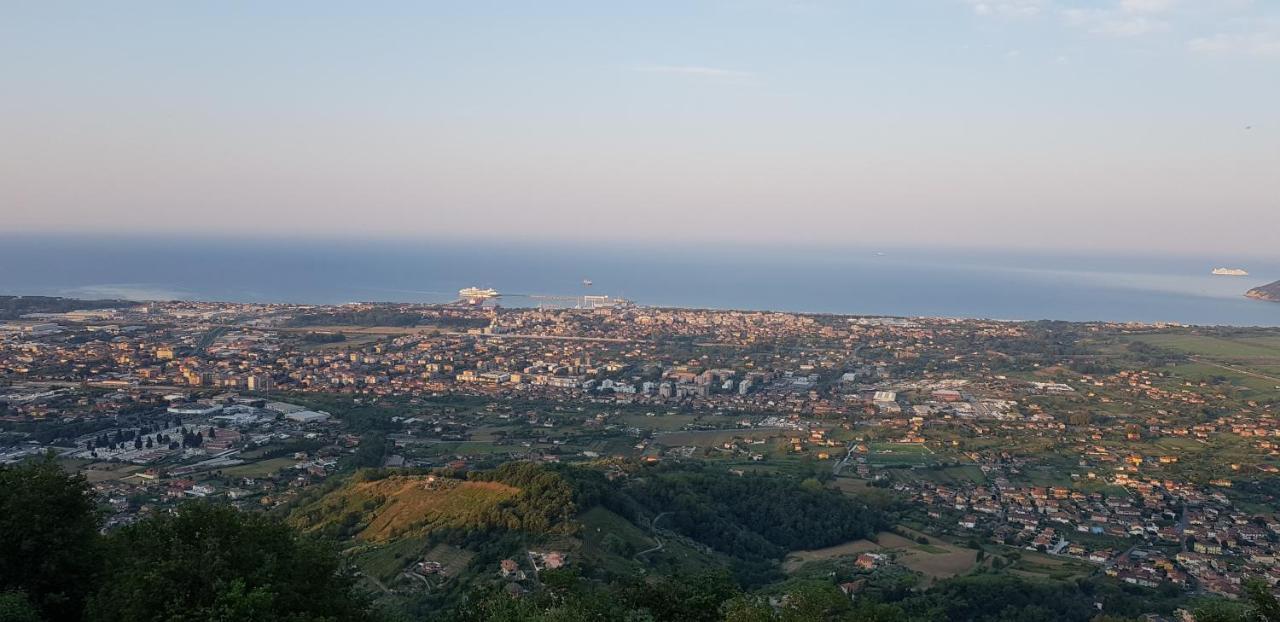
x=653, y=531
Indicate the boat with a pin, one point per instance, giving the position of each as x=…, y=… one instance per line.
x=1229, y=272
x=475, y=295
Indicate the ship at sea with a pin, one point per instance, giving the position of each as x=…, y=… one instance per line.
x=475, y=295
x=1229, y=272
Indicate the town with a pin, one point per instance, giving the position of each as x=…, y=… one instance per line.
x=1144, y=453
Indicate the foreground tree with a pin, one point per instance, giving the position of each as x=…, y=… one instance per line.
x=1258, y=605
x=216, y=563
x=49, y=548
x=14, y=607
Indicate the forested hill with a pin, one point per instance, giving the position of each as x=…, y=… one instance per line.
x=753, y=519
x=1269, y=292
x=13, y=307
x=208, y=561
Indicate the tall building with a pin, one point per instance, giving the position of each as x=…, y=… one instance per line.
x=259, y=383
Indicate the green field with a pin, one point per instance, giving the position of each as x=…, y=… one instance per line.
x=259, y=469
x=1262, y=346
x=1248, y=361
x=658, y=422
x=468, y=448
x=714, y=438
x=1205, y=372
x=1039, y=565
x=899, y=454
x=952, y=475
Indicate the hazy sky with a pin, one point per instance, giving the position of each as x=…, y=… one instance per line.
x=1025, y=123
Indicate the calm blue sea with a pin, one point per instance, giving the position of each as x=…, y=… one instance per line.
x=857, y=279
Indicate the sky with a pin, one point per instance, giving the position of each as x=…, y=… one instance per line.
x=1137, y=125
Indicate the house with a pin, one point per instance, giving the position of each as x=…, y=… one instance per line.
x=509, y=569
x=546, y=561
x=200, y=490
x=868, y=561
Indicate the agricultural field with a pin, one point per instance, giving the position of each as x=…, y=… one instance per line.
x=107, y=471
x=935, y=560
x=1040, y=566
x=1256, y=348
x=796, y=559
x=259, y=469
x=938, y=559
x=1250, y=360
x=951, y=475
x=659, y=421
x=851, y=485
x=712, y=438
x=462, y=448
x=1255, y=381
x=453, y=559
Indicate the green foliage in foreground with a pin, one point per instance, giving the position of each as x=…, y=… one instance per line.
x=216, y=563
x=48, y=540
x=201, y=563
x=207, y=562
x=715, y=598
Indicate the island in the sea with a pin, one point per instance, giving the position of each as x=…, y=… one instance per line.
x=1269, y=292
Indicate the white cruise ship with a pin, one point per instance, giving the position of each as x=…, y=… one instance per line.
x=1229, y=272
x=475, y=294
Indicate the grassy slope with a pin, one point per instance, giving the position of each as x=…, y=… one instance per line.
x=401, y=505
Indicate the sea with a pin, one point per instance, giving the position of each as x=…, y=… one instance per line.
x=855, y=279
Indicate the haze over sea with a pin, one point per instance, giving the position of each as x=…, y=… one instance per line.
x=854, y=279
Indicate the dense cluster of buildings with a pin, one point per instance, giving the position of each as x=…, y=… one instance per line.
x=192, y=389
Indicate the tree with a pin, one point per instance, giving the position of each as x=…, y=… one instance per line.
x=216, y=563
x=14, y=607
x=371, y=452
x=814, y=602
x=1262, y=601
x=49, y=549
x=1260, y=606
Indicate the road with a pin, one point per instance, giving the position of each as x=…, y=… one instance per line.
x=839, y=466
x=653, y=524
x=210, y=336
